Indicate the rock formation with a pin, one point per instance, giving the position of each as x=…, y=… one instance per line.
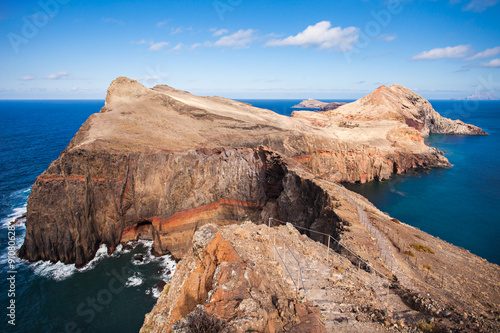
x=399, y=103
x=161, y=163
x=309, y=104
x=158, y=163
x=330, y=106
x=233, y=286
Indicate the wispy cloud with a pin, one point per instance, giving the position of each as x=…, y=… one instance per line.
x=491, y=63
x=238, y=40
x=322, y=36
x=480, y=6
x=386, y=37
x=175, y=31
x=220, y=32
x=161, y=23
x=112, y=20
x=27, y=78
x=458, y=51
x=158, y=46
x=57, y=76
x=488, y=53
x=178, y=47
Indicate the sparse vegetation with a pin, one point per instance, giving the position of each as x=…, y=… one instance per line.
x=348, y=124
x=425, y=326
x=422, y=248
x=409, y=253
x=427, y=267
x=200, y=321
x=430, y=327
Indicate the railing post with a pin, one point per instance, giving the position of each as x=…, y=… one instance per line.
x=298, y=276
x=328, y=251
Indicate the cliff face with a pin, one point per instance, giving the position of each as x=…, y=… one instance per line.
x=158, y=163
x=399, y=103
x=219, y=281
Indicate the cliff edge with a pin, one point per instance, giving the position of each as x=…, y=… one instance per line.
x=158, y=163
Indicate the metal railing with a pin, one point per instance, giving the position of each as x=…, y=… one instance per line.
x=282, y=259
x=330, y=237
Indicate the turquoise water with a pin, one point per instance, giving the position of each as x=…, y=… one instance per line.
x=114, y=293
x=458, y=204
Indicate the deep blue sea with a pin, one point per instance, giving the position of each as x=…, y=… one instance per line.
x=113, y=293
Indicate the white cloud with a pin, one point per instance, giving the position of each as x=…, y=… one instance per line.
x=176, y=31
x=491, y=63
x=196, y=45
x=57, y=76
x=480, y=6
x=386, y=38
x=27, y=78
x=220, y=32
x=322, y=36
x=239, y=40
x=178, y=47
x=158, y=46
x=458, y=51
x=488, y=53
x=161, y=23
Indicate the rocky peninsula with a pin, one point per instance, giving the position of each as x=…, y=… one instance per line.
x=186, y=171
x=309, y=104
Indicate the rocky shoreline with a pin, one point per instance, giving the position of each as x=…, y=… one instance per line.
x=161, y=163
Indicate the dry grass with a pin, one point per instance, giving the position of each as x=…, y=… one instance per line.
x=409, y=253
x=422, y=248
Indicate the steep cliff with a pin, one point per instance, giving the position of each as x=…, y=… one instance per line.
x=158, y=163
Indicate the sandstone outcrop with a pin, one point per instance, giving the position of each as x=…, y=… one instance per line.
x=159, y=163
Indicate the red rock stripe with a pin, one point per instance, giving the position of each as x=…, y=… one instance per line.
x=81, y=179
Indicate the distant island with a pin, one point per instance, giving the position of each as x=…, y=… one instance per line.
x=315, y=104
x=309, y=104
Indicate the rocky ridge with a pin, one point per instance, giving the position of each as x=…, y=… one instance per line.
x=158, y=163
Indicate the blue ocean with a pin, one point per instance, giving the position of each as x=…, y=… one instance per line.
x=113, y=293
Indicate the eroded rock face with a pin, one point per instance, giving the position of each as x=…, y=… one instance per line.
x=239, y=292
x=159, y=163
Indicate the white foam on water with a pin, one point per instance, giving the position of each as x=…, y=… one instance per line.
x=102, y=252
x=135, y=280
x=17, y=212
x=156, y=293
x=59, y=271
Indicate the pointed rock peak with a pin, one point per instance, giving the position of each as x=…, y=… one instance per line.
x=167, y=88
x=124, y=87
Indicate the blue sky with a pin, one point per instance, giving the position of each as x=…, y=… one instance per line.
x=73, y=49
